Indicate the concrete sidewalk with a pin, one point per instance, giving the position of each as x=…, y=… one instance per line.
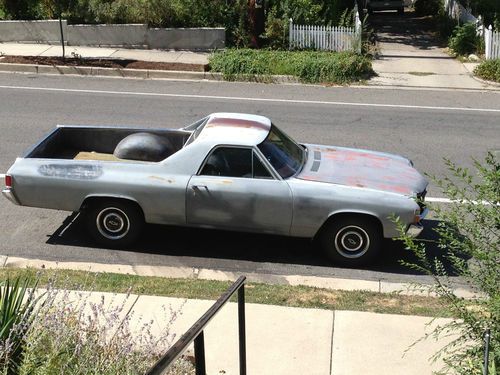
x=289, y=341
x=410, y=55
x=399, y=65
x=25, y=49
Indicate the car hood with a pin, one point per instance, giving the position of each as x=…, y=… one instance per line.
x=362, y=169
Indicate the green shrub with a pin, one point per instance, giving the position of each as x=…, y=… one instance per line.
x=276, y=35
x=489, y=69
x=17, y=304
x=428, y=7
x=468, y=236
x=464, y=39
x=309, y=66
x=445, y=25
x=72, y=332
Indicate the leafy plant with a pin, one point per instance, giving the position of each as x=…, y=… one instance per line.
x=464, y=39
x=309, y=66
x=427, y=7
x=469, y=237
x=17, y=304
x=489, y=69
x=276, y=35
x=73, y=332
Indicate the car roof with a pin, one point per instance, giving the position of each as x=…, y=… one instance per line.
x=235, y=129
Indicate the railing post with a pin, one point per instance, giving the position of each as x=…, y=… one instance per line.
x=199, y=354
x=241, y=328
x=486, y=351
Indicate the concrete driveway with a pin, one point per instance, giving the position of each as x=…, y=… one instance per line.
x=411, y=54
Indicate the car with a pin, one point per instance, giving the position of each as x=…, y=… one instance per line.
x=227, y=171
x=376, y=5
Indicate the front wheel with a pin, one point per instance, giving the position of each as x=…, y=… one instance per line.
x=114, y=223
x=351, y=241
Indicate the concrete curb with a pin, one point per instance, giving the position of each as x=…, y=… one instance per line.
x=378, y=286
x=107, y=72
x=129, y=73
x=470, y=67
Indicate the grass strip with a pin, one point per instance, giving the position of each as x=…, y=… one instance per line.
x=489, y=70
x=308, y=66
x=281, y=295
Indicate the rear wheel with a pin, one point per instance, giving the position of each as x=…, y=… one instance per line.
x=352, y=240
x=114, y=223
x=401, y=10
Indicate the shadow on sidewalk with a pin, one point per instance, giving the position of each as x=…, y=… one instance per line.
x=206, y=246
x=407, y=29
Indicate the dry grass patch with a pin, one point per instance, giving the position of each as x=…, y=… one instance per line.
x=281, y=295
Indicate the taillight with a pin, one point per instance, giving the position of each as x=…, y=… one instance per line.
x=8, y=181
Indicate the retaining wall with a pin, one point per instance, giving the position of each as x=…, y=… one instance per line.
x=31, y=31
x=129, y=35
x=117, y=35
x=202, y=38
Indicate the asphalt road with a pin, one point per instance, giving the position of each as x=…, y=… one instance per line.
x=421, y=124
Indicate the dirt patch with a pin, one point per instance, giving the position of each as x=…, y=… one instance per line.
x=104, y=63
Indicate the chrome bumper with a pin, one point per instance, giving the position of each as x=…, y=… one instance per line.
x=415, y=229
x=9, y=194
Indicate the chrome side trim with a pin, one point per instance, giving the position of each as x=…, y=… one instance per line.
x=9, y=194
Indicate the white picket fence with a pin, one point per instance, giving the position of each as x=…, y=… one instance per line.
x=462, y=15
x=491, y=43
x=327, y=38
x=456, y=11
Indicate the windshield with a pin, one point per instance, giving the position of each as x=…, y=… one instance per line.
x=282, y=152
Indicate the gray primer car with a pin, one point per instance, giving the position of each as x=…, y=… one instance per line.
x=228, y=171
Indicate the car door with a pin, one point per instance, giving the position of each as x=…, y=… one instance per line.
x=234, y=190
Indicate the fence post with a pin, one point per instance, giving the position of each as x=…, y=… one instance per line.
x=241, y=329
x=290, y=34
x=488, y=38
x=358, y=29
x=487, y=337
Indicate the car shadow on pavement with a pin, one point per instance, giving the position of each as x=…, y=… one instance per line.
x=210, y=245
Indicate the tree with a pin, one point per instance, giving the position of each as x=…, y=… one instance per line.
x=469, y=235
x=20, y=9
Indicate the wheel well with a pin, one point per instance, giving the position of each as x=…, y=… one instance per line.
x=349, y=215
x=92, y=200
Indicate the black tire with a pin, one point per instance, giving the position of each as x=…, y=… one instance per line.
x=351, y=241
x=401, y=10
x=114, y=223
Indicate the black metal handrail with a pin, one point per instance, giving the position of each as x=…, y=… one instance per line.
x=195, y=333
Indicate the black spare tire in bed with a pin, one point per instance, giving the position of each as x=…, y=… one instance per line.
x=144, y=147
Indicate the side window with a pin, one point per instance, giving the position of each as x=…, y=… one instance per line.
x=259, y=171
x=234, y=162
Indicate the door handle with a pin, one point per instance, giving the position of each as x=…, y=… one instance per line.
x=199, y=187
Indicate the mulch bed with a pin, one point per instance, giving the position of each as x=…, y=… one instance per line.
x=103, y=63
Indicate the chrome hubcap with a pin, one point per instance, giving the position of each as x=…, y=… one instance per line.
x=352, y=241
x=113, y=223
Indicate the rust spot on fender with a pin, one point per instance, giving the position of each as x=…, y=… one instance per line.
x=158, y=178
